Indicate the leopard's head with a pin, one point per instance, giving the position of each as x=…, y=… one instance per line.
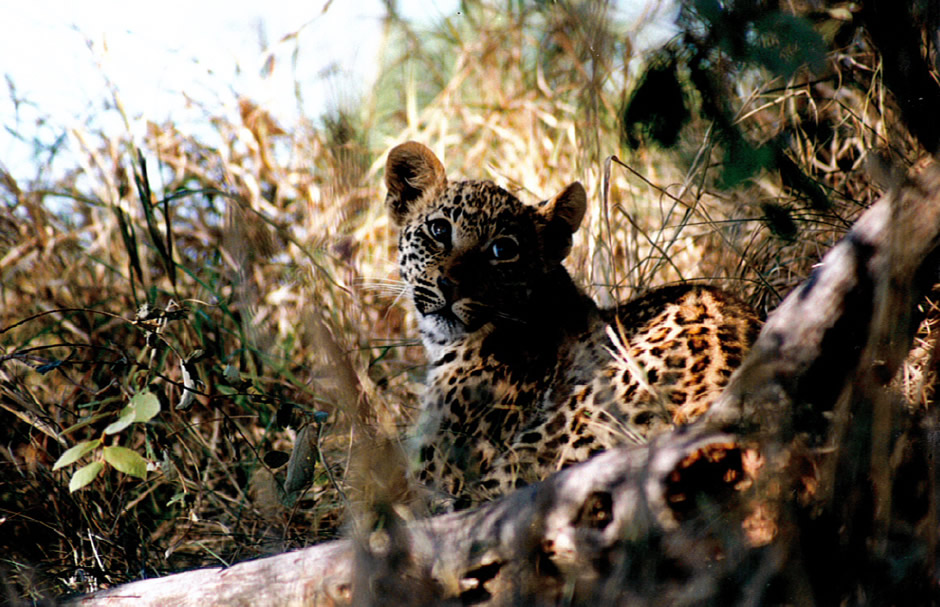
x=471, y=253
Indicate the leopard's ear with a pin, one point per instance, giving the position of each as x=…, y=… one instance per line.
x=410, y=171
x=567, y=207
x=564, y=213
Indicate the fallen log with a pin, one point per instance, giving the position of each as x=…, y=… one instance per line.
x=659, y=524
x=539, y=543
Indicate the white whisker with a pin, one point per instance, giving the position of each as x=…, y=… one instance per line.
x=383, y=285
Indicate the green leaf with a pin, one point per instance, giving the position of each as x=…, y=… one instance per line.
x=146, y=406
x=143, y=407
x=126, y=460
x=128, y=417
x=75, y=453
x=85, y=475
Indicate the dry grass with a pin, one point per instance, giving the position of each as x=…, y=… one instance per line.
x=277, y=251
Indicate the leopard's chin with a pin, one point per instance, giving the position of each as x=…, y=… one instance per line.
x=441, y=327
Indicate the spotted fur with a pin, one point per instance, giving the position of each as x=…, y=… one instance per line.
x=526, y=374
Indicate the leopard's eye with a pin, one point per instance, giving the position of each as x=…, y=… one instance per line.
x=504, y=249
x=439, y=229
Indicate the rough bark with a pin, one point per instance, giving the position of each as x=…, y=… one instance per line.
x=644, y=524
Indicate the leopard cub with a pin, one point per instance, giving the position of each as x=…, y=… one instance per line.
x=526, y=374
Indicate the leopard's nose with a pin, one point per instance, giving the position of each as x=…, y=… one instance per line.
x=448, y=287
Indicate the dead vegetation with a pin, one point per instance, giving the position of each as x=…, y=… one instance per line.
x=274, y=316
